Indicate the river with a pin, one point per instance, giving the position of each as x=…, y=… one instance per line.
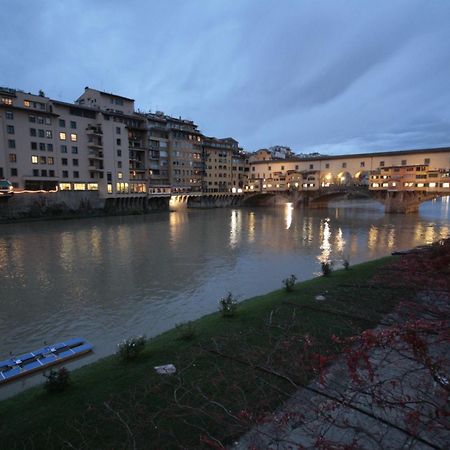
x=106, y=279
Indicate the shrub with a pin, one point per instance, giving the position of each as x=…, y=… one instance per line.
x=289, y=283
x=346, y=263
x=327, y=268
x=131, y=348
x=186, y=331
x=228, y=305
x=57, y=380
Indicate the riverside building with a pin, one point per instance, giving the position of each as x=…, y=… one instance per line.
x=101, y=143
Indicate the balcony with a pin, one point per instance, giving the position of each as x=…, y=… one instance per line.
x=95, y=131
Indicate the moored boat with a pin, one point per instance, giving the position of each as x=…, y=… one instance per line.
x=42, y=358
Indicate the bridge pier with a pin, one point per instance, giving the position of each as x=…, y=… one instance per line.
x=405, y=202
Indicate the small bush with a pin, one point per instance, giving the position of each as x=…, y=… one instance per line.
x=131, y=348
x=327, y=268
x=57, y=380
x=228, y=305
x=289, y=283
x=346, y=263
x=186, y=331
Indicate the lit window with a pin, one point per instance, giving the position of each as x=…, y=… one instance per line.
x=65, y=186
x=50, y=160
x=109, y=188
x=119, y=175
x=62, y=136
x=445, y=185
x=12, y=157
x=79, y=187
x=73, y=137
x=42, y=160
x=34, y=159
x=48, y=134
x=26, y=103
x=92, y=186
x=6, y=101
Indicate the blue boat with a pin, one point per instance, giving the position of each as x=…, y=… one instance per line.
x=42, y=358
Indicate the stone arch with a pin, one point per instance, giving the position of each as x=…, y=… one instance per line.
x=326, y=180
x=344, y=178
x=362, y=177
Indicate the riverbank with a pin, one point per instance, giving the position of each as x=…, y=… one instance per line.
x=232, y=371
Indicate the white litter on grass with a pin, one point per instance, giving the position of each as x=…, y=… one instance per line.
x=166, y=369
x=320, y=297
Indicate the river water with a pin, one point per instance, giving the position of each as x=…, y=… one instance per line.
x=106, y=279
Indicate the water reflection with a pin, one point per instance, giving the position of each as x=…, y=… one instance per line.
x=288, y=210
x=106, y=279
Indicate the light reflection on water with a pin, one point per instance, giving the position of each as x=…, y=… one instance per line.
x=109, y=278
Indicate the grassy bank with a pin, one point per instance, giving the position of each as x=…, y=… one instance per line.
x=232, y=370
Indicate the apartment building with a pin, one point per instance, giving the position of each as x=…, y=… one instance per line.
x=100, y=143
x=218, y=156
x=239, y=170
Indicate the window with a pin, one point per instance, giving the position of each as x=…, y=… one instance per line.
x=34, y=159
x=74, y=150
x=48, y=121
x=26, y=103
x=270, y=168
x=118, y=142
x=119, y=153
x=63, y=148
x=49, y=147
x=62, y=136
x=9, y=115
x=73, y=137
x=41, y=133
x=381, y=163
x=282, y=167
x=31, y=118
x=48, y=134
x=40, y=119
x=6, y=101
x=42, y=160
x=65, y=174
x=311, y=166
x=76, y=174
x=426, y=161
x=344, y=165
x=403, y=162
x=50, y=160
x=11, y=143
x=119, y=175
x=73, y=125
x=35, y=173
x=327, y=165
x=75, y=162
x=51, y=173
x=43, y=172
x=65, y=186
x=10, y=129
x=119, y=164
x=41, y=146
x=12, y=157
x=62, y=122
x=33, y=145
x=64, y=161
x=79, y=186
x=118, y=130
x=362, y=164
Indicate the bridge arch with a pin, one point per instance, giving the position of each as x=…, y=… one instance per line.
x=344, y=178
x=362, y=177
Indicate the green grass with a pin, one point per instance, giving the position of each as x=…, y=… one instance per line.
x=115, y=404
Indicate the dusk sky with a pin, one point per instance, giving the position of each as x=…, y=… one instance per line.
x=328, y=76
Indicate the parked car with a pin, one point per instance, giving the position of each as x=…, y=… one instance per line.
x=6, y=188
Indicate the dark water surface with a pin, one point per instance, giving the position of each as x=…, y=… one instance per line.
x=106, y=279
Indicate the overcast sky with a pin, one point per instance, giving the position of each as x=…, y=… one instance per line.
x=330, y=76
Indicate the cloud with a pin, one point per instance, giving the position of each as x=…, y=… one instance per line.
x=338, y=75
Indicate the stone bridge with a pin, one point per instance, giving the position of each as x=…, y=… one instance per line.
x=401, y=201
